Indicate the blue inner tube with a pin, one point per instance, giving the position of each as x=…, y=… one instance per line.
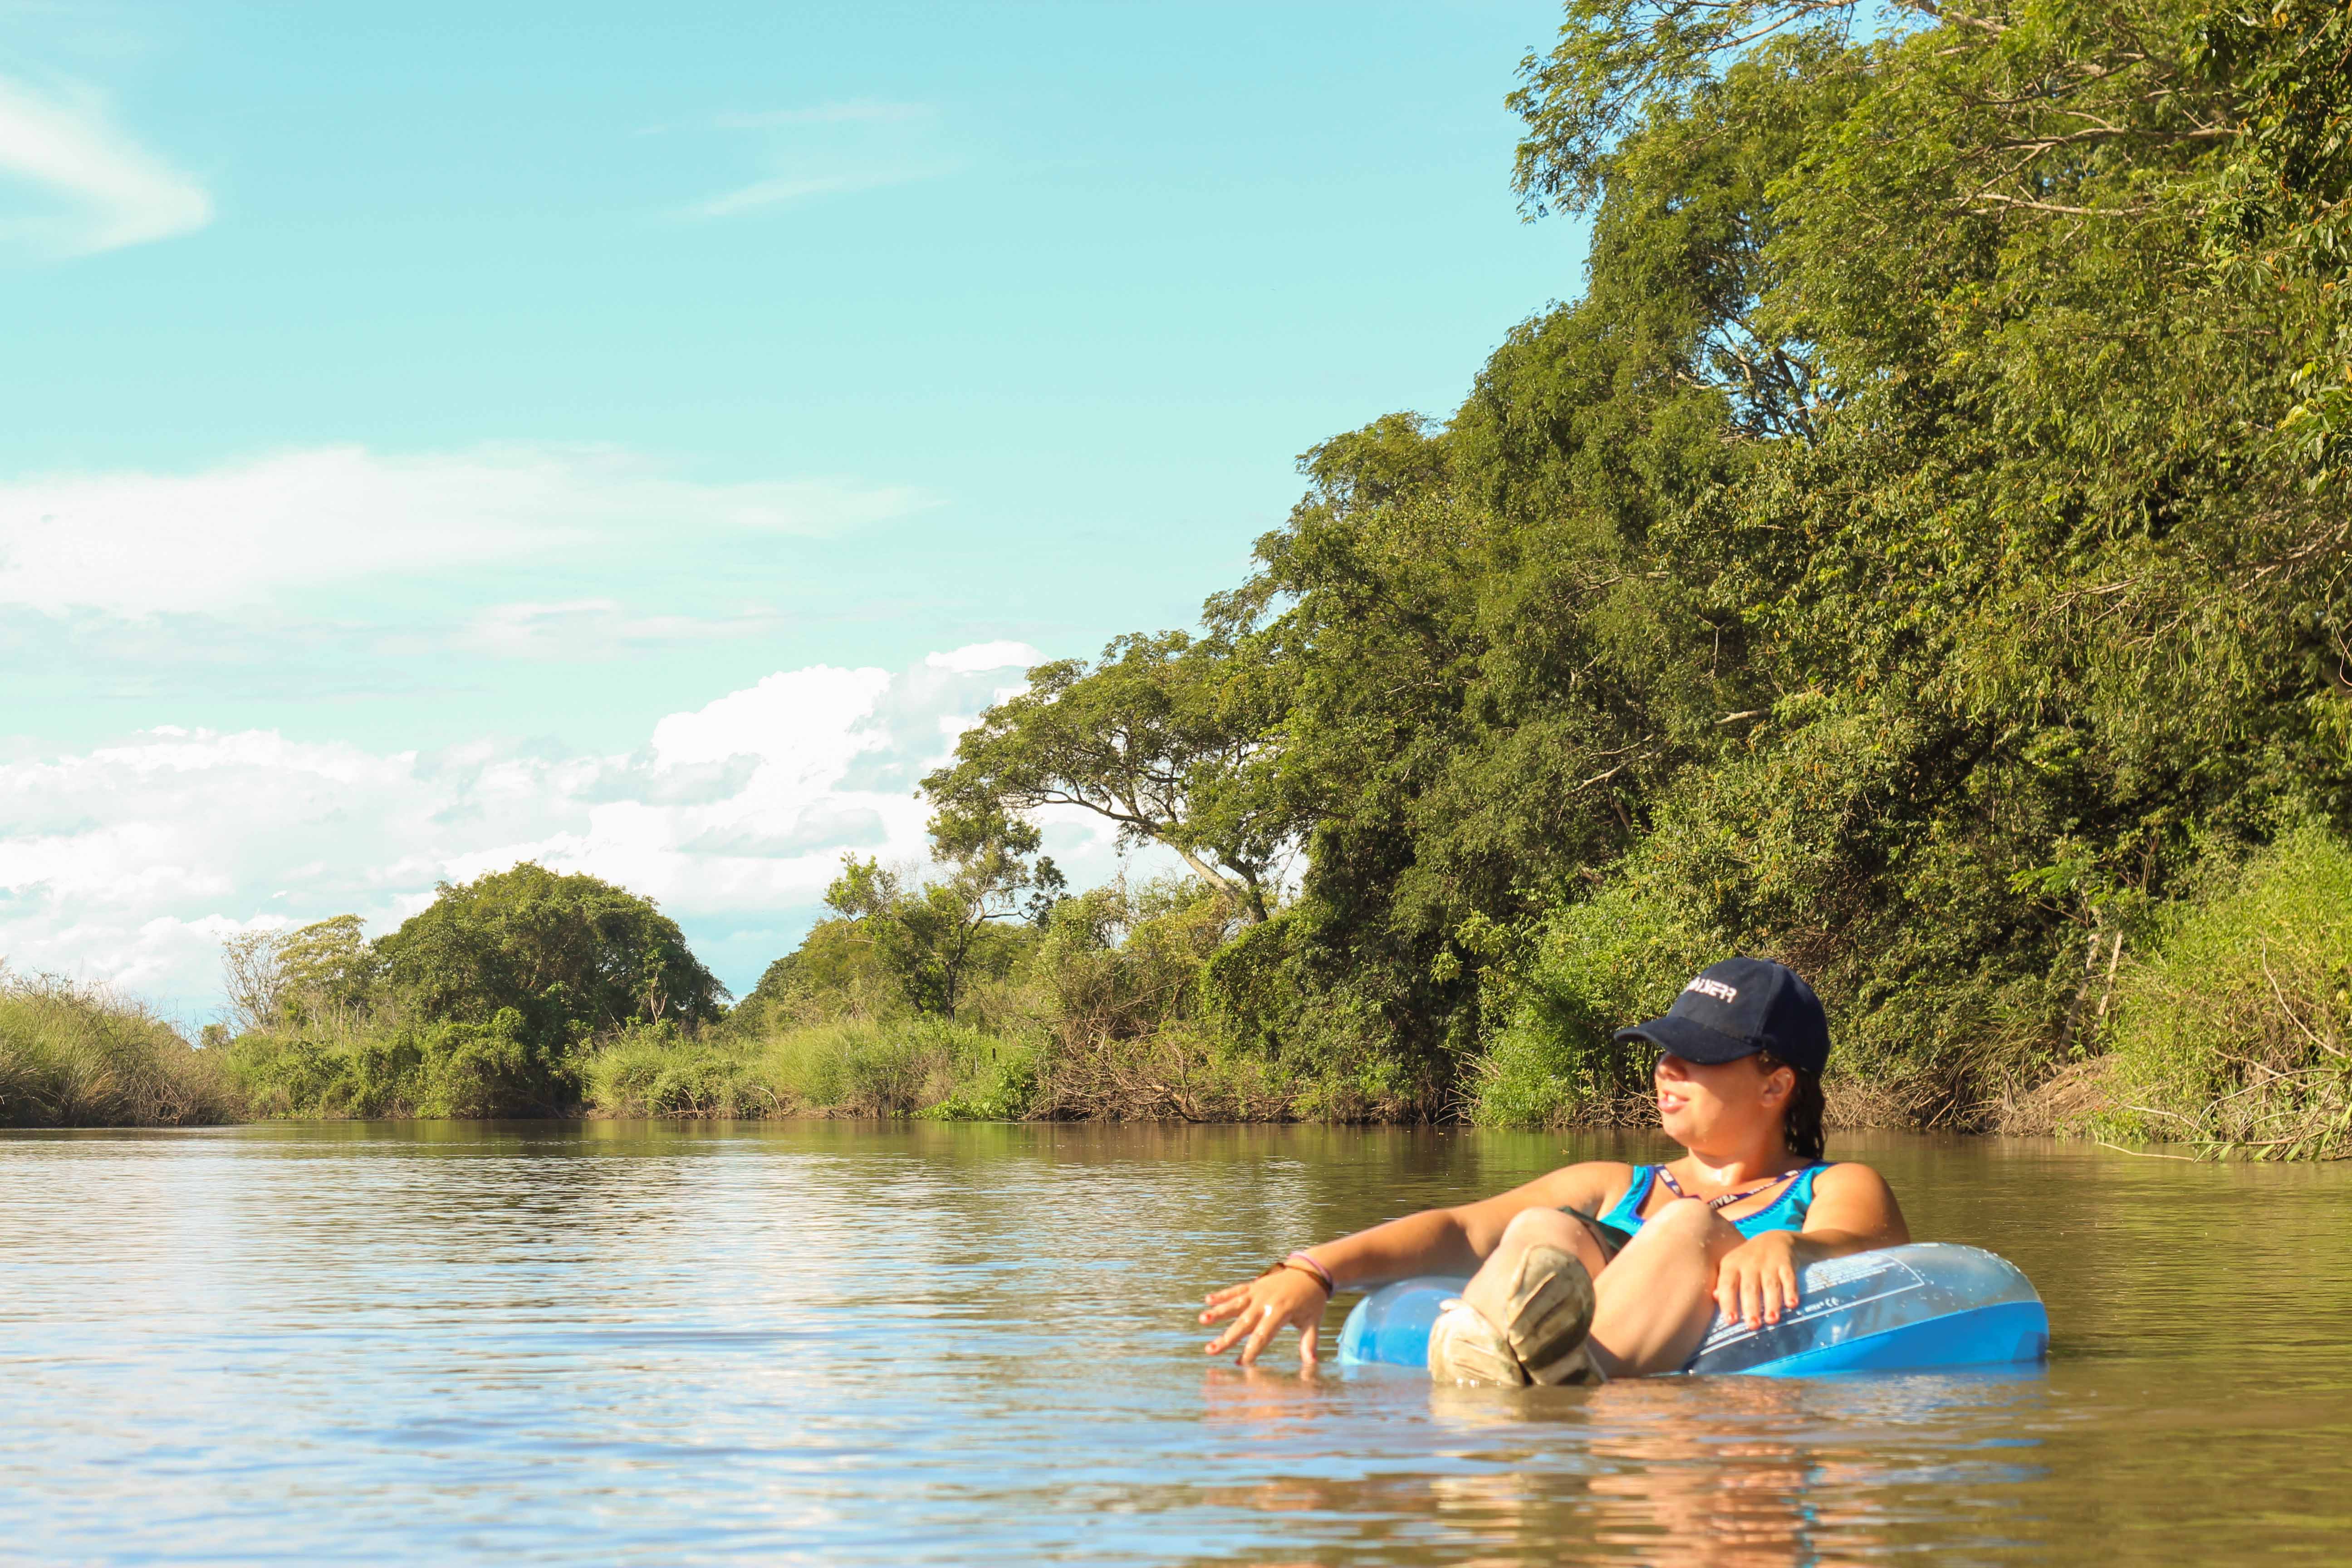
x=1921, y=1307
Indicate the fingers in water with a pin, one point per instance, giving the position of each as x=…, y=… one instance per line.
x=1267, y=1323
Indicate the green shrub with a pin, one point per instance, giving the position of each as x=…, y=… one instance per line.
x=357, y=1069
x=659, y=1072
x=2237, y=1031
x=78, y=1057
x=900, y=1067
x=1591, y=969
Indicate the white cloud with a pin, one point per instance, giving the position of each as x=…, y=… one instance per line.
x=577, y=629
x=116, y=192
x=140, y=543
x=129, y=863
x=833, y=148
x=983, y=655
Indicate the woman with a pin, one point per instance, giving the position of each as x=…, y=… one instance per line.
x=1604, y=1270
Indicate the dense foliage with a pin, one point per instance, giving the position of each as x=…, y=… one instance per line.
x=1918, y=554
x=483, y=1003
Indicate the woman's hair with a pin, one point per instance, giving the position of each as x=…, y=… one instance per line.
x=1801, y=1123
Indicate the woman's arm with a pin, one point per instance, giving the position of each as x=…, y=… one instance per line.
x=1434, y=1241
x=1854, y=1210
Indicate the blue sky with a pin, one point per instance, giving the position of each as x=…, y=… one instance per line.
x=413, y=410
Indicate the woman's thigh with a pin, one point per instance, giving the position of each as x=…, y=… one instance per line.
x=1654, y=1304
x=1490, y=1288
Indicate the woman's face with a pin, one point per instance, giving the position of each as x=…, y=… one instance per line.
x=1722, y=1107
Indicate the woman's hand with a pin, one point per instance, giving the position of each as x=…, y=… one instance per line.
x=1287, y=1298
x=1757, y=1280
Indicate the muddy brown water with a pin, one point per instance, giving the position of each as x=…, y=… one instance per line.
x=842, y=1343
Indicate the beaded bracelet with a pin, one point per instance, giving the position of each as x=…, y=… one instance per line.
x=1300, y=1260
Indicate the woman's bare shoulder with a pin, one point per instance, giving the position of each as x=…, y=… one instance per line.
x=1591, y=1185
x=1852, y=1196
x=1852, y=1176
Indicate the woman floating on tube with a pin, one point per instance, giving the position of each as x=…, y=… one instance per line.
x=1604, y=1270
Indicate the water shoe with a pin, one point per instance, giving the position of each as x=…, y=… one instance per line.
x=1551, y=1306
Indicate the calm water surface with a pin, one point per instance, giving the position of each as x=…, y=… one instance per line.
x=827, y=1343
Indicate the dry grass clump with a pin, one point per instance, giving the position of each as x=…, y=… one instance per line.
x=78, y=1055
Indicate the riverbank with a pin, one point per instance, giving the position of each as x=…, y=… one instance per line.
x=2221, y=1025
x=82, y=1057
x=74, y=1056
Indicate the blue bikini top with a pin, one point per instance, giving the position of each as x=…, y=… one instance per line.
x=1786, y=1211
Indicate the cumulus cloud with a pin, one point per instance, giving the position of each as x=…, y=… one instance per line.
x=138, y=544
x=984, y=655
x=129, y=863
x=113, y=192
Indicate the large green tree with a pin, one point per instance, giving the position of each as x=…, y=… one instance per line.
x=1164, y=737
x=1911, y=555
x=572, y=955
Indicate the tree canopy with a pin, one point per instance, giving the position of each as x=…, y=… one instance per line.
x=1160, y=737
x=1916, y=550
x=573, y=955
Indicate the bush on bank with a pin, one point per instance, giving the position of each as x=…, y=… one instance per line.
x=2236, y=1032
x=1094, y=1009
x=75, y=1056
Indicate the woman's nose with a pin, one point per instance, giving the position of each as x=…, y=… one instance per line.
x=1672, y=1067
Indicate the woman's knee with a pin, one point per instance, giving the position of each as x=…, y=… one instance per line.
x=1532, y=1228
x=1550, y=1227
x=1687, y=1220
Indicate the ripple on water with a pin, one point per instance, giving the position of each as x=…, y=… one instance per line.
x=853, y=1344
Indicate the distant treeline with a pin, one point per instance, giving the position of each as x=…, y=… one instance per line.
x=1918, y=554
x=527, y=993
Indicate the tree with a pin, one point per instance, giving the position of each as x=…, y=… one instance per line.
x=931, y=936
x=834, y=972
x=1165, y=736
x=325, y=969
x=572, y=955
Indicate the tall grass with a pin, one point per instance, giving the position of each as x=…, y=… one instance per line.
x=78, y=1055
x=2236, y=1032
x=850, y=1066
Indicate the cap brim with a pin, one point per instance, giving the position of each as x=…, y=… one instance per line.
x=1690, y=1040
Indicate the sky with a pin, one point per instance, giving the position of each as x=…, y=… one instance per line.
x=639, y=438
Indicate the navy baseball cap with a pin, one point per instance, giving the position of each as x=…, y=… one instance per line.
x=1738, y=1009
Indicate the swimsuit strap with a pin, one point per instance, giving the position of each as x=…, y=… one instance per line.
x=1728, y=1199
x=1625, y=1213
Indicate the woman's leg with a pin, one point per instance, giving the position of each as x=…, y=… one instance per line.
x=1524, y=1315
x=1657, y=1299
x=1489, y=1289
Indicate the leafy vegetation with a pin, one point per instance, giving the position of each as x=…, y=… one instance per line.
x=2238, y=1034
x=1918, y=554
x=483, y=1005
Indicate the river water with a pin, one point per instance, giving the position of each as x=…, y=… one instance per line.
x=835, y=1343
